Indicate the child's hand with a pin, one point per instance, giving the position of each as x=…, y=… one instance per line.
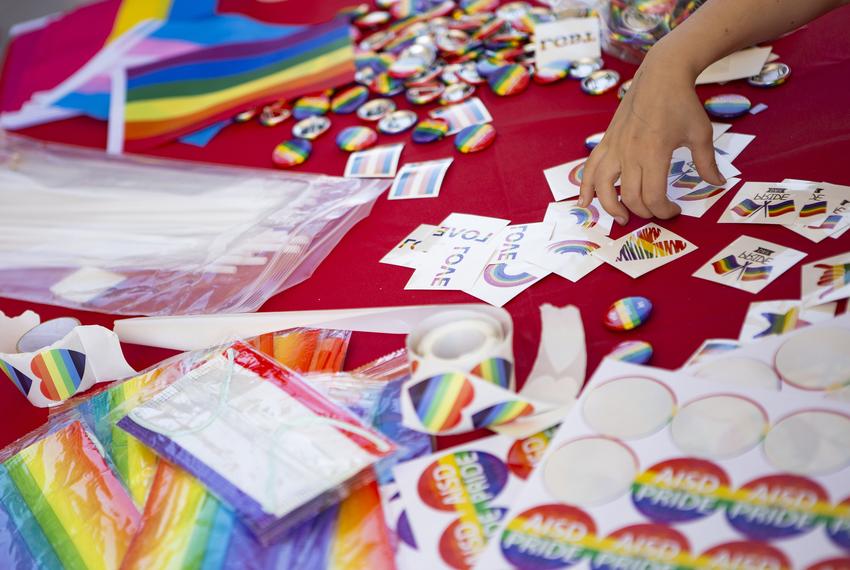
x=660, y=113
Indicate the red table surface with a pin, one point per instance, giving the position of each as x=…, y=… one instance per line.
x=805, y=133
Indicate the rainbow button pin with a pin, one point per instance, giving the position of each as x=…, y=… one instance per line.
x=356, y=138
x=628, y=313
x=509, y=80
x=727, y=106
x=474, y=138
x=430, y=130
x=291, y=153
x=634, y=351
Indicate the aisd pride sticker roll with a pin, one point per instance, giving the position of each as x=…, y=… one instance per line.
x=548, y=537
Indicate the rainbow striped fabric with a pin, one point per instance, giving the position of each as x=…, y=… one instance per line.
x=177, y=95
x=62, y=507
x=420, y=180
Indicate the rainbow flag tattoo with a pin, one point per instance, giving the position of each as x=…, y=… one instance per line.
x=774, y=210
x=746, y=272
x=779, y=323
x=702, y=194
x=813, y=209
x=833, y=276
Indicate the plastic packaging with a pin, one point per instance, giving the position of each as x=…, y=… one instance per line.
x=135, y=235
x=260, y=438
x=61, y=504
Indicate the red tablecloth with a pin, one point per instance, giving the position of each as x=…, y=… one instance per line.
x=805, y=134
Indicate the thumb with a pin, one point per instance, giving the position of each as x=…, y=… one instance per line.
x=702, y=151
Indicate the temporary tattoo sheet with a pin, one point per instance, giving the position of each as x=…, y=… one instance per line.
x=508, y=274
x=419, y=180
x=568, y=215
x=749, y=264
x=454, y=499
x=826, y=280
x=769, y=203
x=768, y=318
x=731, y=145
x=653, y=469
x=565, y=179
x=378, y=162
x=831, y=199
x=645, y=249
x=410, y=250
x=694, y=196
x=570, y=254
x=456, y=258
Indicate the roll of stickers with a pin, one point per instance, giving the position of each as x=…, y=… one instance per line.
x=72, y=364
x=463, y=373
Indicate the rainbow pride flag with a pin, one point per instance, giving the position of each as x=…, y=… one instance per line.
x=61, y=506
x=181, y=94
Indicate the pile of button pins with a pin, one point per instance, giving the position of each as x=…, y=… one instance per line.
x=431, y=52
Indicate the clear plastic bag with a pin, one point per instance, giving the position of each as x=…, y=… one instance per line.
x=260, y=438
x=631, y=27
x=135, y=235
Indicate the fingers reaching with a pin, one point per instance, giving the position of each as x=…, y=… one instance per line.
x=702, y=150
x=654, y=190
x=630, y=191
x=603, y=183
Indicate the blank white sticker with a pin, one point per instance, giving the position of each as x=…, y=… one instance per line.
x=590, y=471
x=629, y=408
x=809, y=443
x=718, y=427
x=816, y=359
x=740, y=371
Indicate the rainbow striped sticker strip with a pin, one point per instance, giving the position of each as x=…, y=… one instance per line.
x=420, y=180
x=378, y=162
x=462, y=115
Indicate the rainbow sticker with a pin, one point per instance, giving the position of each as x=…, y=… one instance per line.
x=347, y=101
x=777, y=506
x=709, y=191
x=311, y=106
x=19, y=379
x=60, y=371
x=838, y=528
x=353, y=139
x=585, y=217
x=679, y=490
x=746, y=208
x=497, y=275
x=460, y=481
x=576, y=174
x=497, y=371
x=760, y=553
x=440, y=400
x=475, y=138
x=466, y=537
x=645, y=245
x=688, y=181
x=642, y=546
x=502, y=413
x=509, y=80
x=547, y=537
x=291, y=152
x=525, y=454
x=574, y=246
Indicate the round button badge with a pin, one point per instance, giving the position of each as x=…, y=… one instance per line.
x=727, y=106
x=356, y=138
x=291, y=153
x=311, y=127
x=430, y=130
x=772, y=74
x=397, y=122
x=375, y=109
x=600, y=82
